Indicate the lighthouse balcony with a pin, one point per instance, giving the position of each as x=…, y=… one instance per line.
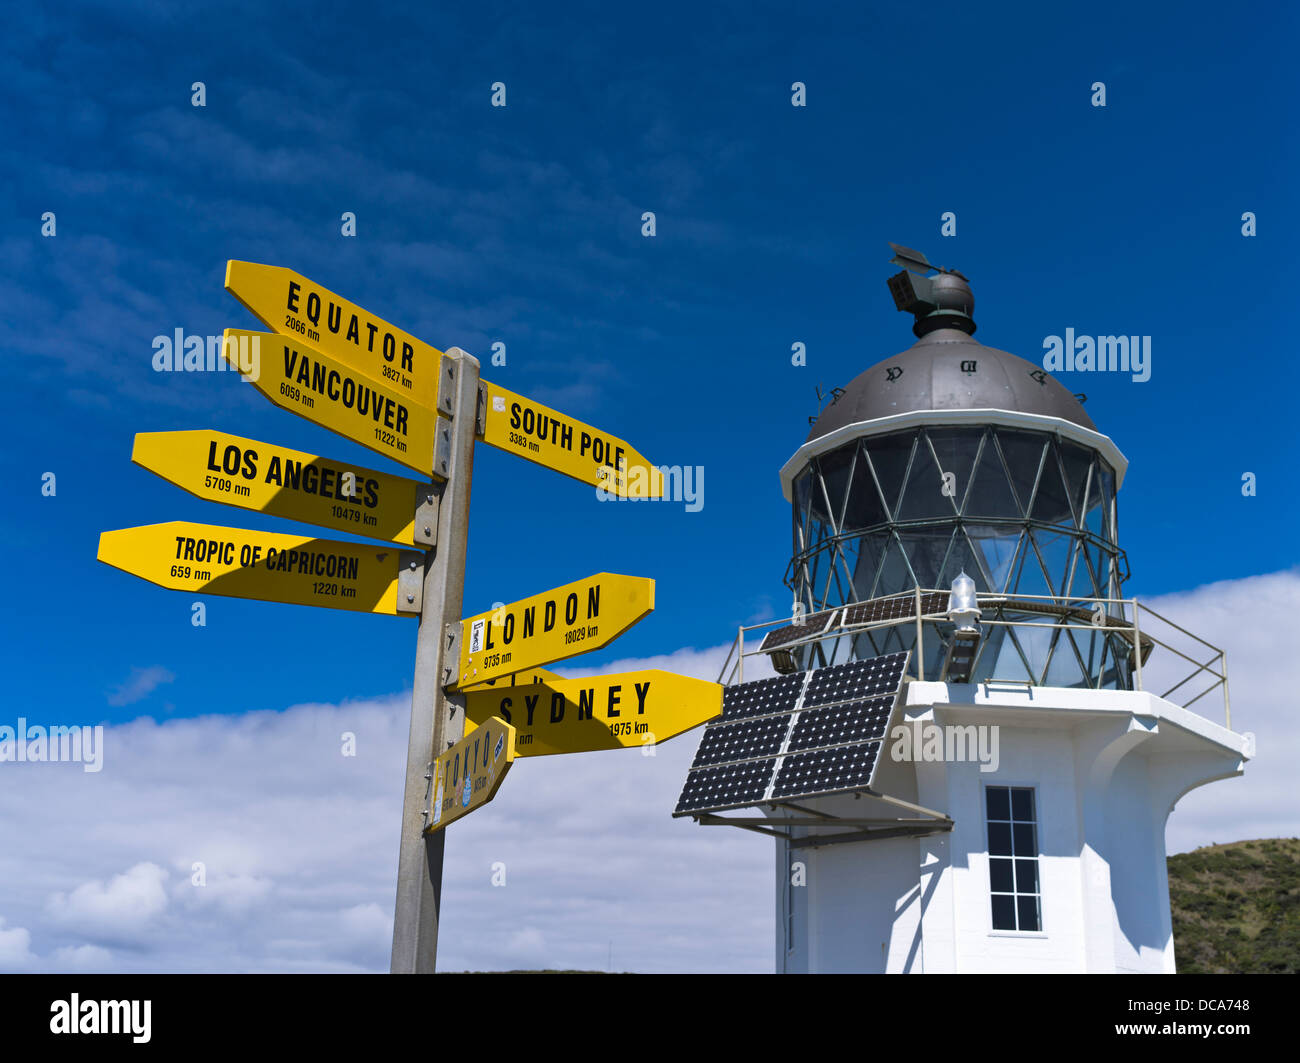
x=1018, y=639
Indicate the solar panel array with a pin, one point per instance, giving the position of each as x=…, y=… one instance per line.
x=895, y=607
x=795, y=736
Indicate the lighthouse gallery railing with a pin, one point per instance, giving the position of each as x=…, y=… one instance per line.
x=1127, y=617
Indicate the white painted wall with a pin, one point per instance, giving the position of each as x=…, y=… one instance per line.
x=1106, y=767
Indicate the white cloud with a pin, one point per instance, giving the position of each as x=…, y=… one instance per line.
x=299, y=843
x=1251, y=620
x=122, y=907
x=139, y=685
x=15, y=948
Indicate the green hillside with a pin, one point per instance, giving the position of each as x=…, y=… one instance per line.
x=1236, y=908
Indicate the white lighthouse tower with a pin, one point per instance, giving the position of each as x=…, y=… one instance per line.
x=975, y=739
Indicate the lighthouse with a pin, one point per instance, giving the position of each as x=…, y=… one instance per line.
x=976, y=731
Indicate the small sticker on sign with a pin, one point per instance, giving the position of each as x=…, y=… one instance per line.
x=501, y=744
x=498, y=404
x=476, y=636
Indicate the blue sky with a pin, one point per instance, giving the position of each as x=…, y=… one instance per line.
x=522, y=225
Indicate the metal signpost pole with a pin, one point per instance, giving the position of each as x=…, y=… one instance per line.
x=437, y=720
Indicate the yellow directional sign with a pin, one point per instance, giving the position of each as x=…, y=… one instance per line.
x=301, y=380
x=290, y=304
x=601, y=712
x=238, y=563
x=536, y=432
x=469, y=774
x=517, y=679
x=547, y=627
x=283, y=482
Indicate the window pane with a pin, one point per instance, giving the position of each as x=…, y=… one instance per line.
x=1026, y=876
x=1028, y=909
x=1024, y=839
x=1000, y=876
x=924, y=494
x=999, y=839
x=999, y=805
x=1022, y=805
x=1052, y=503
x=1004, y=912
x=835, y=468
x=956, y=449
x=1024, y=454
x=990, y=491
x=889, y=455
x=865, y=510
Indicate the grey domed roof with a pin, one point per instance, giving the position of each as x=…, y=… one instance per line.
x=949, y=370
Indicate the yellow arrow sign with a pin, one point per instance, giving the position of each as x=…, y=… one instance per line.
x=238, y=563
x=283, y=482
x=469, y=774
x=301, y=380
x=290, y=304
x=536, y=432
x=602, y=712
x=559, y=623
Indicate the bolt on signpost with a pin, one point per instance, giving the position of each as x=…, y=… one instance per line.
x=478, y=680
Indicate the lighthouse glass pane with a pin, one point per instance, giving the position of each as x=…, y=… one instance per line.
x=1077, y=462
x=889, y=457
x=955, y=449
x=925, y=495
x=1023, y=452
x=864, y=508
x=990, y=493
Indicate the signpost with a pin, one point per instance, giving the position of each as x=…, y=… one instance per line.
x=269, y=566
x=468, y=775
x=292, y=305
x=301, y=380
x=336, y=364
x=530, y=430
x=601, y=712
x=286, y=483
x=564, y=622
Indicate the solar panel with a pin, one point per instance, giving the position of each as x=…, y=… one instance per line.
x=823, y=771
x=730, y=786
x=743, y=741
x=859, y=721
x=814, y=624
x=856, y=679
x=776, y=643
x=895, y=607
x=805, y=735
x=762, y=697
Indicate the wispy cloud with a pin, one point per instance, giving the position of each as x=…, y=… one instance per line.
x=141, y=683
